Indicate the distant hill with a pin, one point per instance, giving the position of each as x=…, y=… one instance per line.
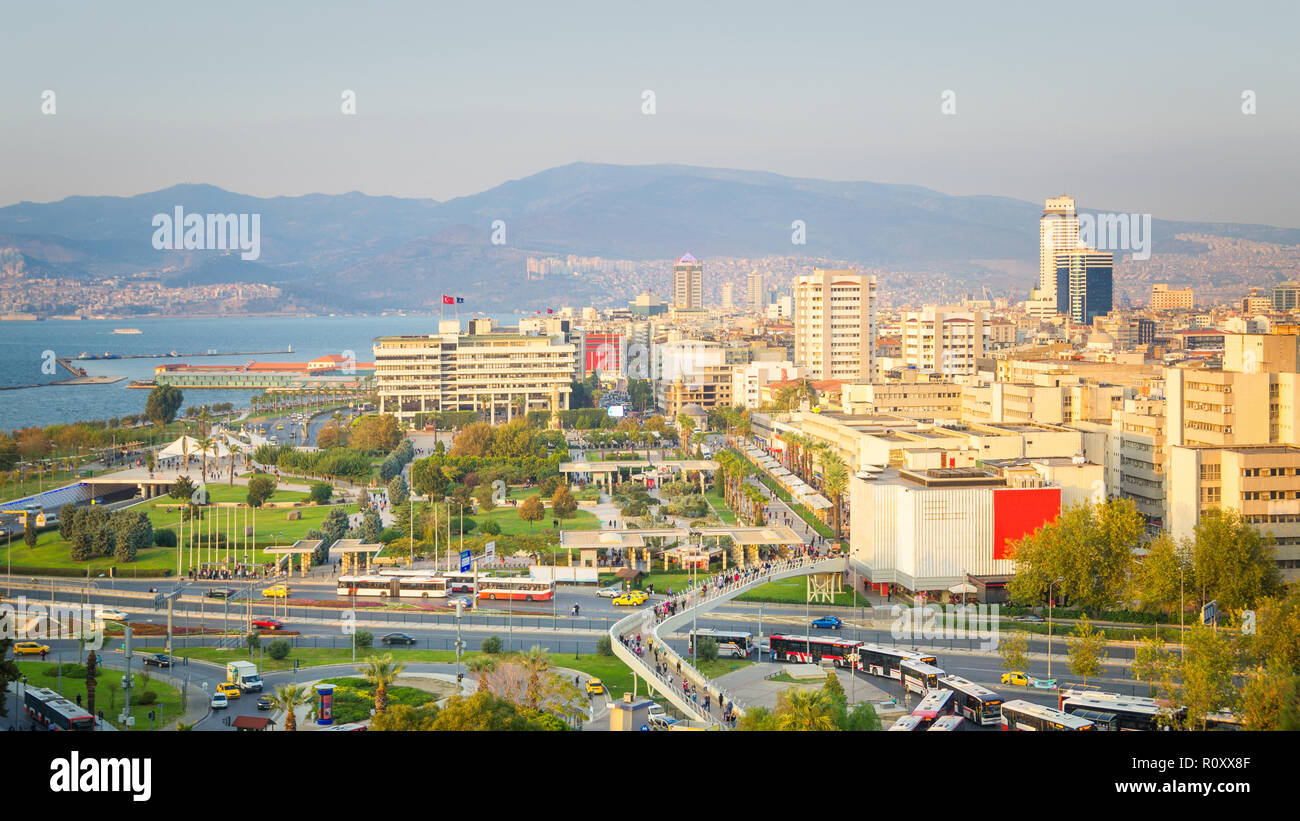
x=363, y=252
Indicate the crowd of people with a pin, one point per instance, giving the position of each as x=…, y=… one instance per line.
x=237, y=571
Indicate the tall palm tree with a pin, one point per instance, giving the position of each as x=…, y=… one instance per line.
x=481, y=667
x=537, y=663
x=802, y=710
x=686, y=427
x=289, y=698
x=381, y=671
x=835, y=480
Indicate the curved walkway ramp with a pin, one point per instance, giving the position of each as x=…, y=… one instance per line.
x=693, y=604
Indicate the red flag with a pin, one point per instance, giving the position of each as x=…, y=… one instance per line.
x=447, y=300
x=550, y=310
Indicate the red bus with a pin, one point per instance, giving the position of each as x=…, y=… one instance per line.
x=811, y=649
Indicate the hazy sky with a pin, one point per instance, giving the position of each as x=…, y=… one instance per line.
x=1132, y=106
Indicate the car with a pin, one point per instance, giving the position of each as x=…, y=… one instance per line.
x=30, y=648
x=1032, y=619
x=1043, y=683
x=828, y=622
x=279, y=427
x=269, y=624
x=265, y=703
x=1016, y=677
x=115, y=615
x=633, y=598
x=277, y=591
x=219, y=701
x=611, y=592
x=157, y=660
x=397, y=638
x=229, y=688
x=464, y=602
x=221, y=592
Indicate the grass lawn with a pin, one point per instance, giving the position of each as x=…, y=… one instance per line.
x=719, y=505
x=354, y=697
x=511, y=525
x=108, y=692
x=792, y=591
x=273, y=527
x=720, y=667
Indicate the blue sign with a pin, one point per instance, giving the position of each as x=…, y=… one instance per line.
x=464, y=561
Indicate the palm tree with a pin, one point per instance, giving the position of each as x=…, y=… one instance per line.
x=235, y=450
x=381, y=671
x=289, y=698
x=835, y=480
x=804, y=710
x=538, y=664
x=686, y=426
x=481, y=667
x=205, y=444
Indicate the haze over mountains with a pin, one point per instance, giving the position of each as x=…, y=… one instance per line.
x=358, y=252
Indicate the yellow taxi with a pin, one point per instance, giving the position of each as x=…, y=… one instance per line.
x=1016, y=677
x=595, y=687
x=632, y=598
x=30, y=648
x=277, y=591
x=229, y=689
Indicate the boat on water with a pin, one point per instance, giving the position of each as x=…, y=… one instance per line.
x=126, y=330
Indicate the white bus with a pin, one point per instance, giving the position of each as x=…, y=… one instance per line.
x=1025, y=715
x=516, y=588
x=419, y=587
x=935, y=704
x=978, y=704
x=459, y=582
x=1130, y=712
x=730, y=643
x=919, y=676
x=886, y=662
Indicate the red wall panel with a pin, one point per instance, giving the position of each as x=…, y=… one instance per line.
x=1018, y=512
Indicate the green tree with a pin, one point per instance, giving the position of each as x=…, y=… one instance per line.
x=405, y=718
x=1271, y=699
x=398, y=493
x=835, y=480
x=475, y=439
x=1087, y=649
x=133, y=532
x=483, y=495
x=481, y=667
x=491, y=645
x=484, y=711
x=1014, y=651
x=532, y=510
x=381, y=671
x=802, y=710
x=8, y=672
x=757, y=719
x=371, y=525
x=29, y=530
x=706, y=649
x=1234, y=563
x=320, y=493
x=260, y=488
x=163, y=403
x=1277, y=631
x=335, y=525
x=563, y=505
x=1206, y=682
x=427, y=478
x=1089, y=547
x=1160, y=577
x=278, y=649
x=182, y=488
x=1154, y=663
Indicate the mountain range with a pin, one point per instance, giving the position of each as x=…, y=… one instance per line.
x=359, y=252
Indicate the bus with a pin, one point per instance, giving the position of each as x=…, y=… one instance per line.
x=517, y=588
x=1223, y=720
x=730, y=643
x=459, y=582
x=55, y=712
x=978, y=704
x=812, y=649
x=907, y=724
x=886, y=661
x=1104, y=722
x=919, y=676
x=1133, y=713
x=948, y=724
x=936, y=703
x=418, y=587
x=1024, y=715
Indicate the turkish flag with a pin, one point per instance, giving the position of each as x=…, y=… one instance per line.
x=550, y=310
x=447, y=300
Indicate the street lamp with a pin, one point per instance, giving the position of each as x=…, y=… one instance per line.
x=1050, y=601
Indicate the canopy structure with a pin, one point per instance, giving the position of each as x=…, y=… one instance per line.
x=189, y=446
x=962, y=587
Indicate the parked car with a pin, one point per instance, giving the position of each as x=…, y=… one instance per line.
x=397, y=638
x=221, y=592
x=828, y=622
x=219, y=701
x=158, y=660
x=269, y=624
x=611, y=592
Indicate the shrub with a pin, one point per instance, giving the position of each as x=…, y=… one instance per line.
x=278, y=649
x=147, y=697
x=320, y=492
x=490, y=529
x=604, y=647
x=164, y=538
x=707, y=649
x=491, y=644
x=365, y=638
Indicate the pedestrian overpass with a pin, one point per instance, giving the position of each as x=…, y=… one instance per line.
x=643, y=622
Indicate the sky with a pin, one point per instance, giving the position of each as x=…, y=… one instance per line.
x=1127, y=106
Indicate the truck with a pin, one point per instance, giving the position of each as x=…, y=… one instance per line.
x=244, y=675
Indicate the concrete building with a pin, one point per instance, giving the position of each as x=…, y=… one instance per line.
x=500, y=373
x=1058, y=230
x=1164, y=298
x=728, y=296
x=835, y=324
x=748, y=380
x=1084, y=284
x=755, y=293
x=1261, y=482
x=688, y=284
x=942, y=339
x=1252, y=400
x=1286, y=295
x=913, y=395
x=691, y=372
x=1139, y=458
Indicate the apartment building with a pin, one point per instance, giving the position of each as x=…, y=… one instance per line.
x=500, y=374
x=941, y=339
x=748, y=380
x=755, y=291
x=691, y=372
x=688, y=284
x=913, y=396
x=1261, y=482
x=1252, y=400
x=1164, y=298
x=835, y=324
x=1138, y=463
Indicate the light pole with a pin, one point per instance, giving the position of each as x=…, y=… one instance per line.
x=760, y=634
x=1050, y=601
x=459, y=643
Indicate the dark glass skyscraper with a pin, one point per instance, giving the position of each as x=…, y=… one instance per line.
x=1084, y=284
